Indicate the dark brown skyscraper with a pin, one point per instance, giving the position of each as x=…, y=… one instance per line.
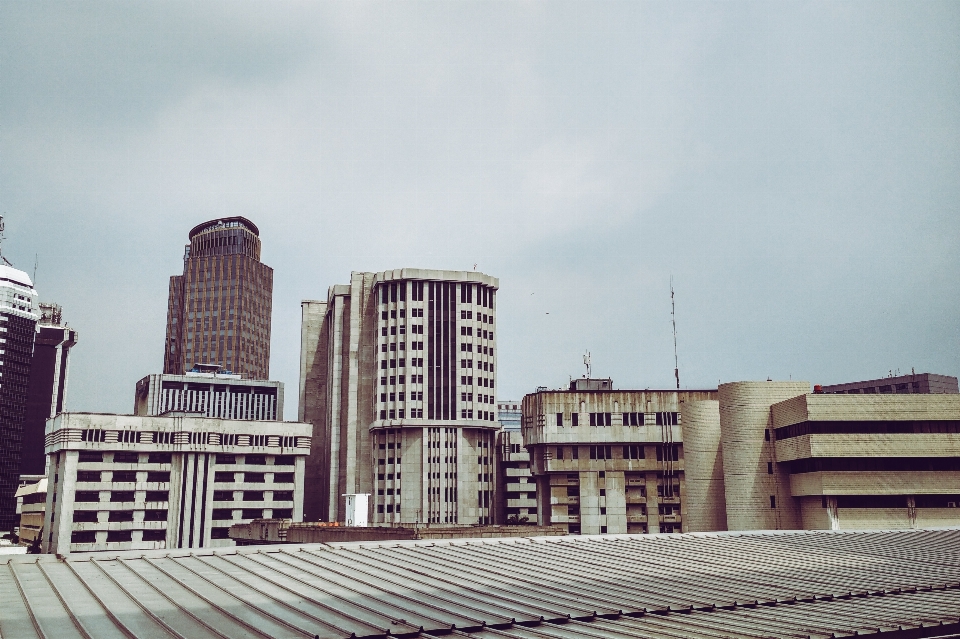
x=219, y=309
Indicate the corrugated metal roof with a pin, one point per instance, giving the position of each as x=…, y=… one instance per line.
x=785, y=584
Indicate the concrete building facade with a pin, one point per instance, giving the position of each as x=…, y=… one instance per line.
x=398, y=377
x=219, y=310
x=516, y=486
x=49, y=375
x=210, y=394
x=19, y=313
x=127, y=482
x=608, y=461
x=793, y=459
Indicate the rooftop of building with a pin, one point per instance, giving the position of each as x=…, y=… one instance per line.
x=15, y=276
x=933, y=383
x=892, y=584
x=225, y=222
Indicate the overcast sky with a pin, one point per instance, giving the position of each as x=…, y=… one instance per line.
x=794, y=166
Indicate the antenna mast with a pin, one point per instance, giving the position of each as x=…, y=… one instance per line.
x=586, y=362
x=673, y=319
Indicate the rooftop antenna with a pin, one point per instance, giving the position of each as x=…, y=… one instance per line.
x=36, y=262
x=673, y=319
x=2, y=237
x=586, y=362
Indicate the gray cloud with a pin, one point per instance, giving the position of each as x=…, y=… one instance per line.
x=793, y=165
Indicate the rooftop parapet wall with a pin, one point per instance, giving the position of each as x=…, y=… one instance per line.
x=825, y=407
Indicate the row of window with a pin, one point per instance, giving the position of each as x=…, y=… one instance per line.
x=918, y=427
x=220, y=514
x=415, y=396
x=483, y=415
x=416, y=329
x=483, y=399
x=401, y=379
x=662, y=418
x=414, y=312
x=90, y=536
x=481, y=365
x=481, y=333
x=252, y=495
x=401, y=413
x=123, y=476
x=92, y=516
x=414, y=346
x=167, y=458
x=415, y=362
x=665, y=452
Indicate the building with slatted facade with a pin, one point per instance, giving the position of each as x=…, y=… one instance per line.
x=210, y=394
x=398, y=377
x=218, y=311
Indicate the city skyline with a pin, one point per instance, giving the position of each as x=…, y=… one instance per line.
x=793, y=167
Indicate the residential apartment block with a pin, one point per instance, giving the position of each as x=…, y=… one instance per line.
x=205, y=391
x=793, y=459
x=219, y=310
x=19, y=313
x=398, y=377
x=119, y=482
x=607, y=461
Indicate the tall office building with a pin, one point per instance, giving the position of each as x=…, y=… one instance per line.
x=218, y=311
x=19, y=313
x=48, y=384
x=398, y=379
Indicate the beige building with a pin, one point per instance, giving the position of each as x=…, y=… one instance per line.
x=129, y=482
x=791, y=459
x=398, y=378
x=608, y=461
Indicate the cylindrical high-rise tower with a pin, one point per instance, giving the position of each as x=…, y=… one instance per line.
x=219, y=309
x=705, y=508
x=757, y=492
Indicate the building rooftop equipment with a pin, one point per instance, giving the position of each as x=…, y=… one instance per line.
x=815, y=585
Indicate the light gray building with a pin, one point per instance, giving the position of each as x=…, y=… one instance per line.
x=605, y=460
x=773, y=456
x=914, y=383
x=207, y=392
x=398, y=377
x=126, y=482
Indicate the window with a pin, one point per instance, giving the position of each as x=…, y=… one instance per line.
x=668, y=452
x=158, y=476
x=90, y=456
x=633, y=451
x=119, y=535
x=155, y=515
x=600, y=419
x=253, y=495
x=167, y=458
x=88, y=475
x=769, y=468
x=156, y=535
x=83, y=537
x=84, y=516
x=121, y=495
x=773, y=501
x=559, y=419
x=252, y=513
x=282, y=513
x=126, y=458
x=601, y=452
x=121, y=515
x=633, y=419
x=222, y=513
x=223, y=495
x=766, y=434
x=574, y=419
x=283, y=495
x=283, y=478
x=226, y=459
x=255, y=460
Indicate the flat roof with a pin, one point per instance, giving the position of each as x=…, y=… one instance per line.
x=811, y=584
